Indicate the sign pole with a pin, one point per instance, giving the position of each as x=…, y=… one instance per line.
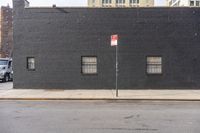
x=117, y=91
x=114, y=42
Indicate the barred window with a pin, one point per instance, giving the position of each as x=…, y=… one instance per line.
x=89, y=65
x=31, y=63
x=154, y=65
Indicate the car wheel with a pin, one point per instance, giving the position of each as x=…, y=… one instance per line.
x=6, y=78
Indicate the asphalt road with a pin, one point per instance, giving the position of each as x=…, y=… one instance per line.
x=99, y=117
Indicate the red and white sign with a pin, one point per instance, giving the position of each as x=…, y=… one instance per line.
x=114, y=40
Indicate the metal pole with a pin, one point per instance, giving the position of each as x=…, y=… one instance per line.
x=117, y=91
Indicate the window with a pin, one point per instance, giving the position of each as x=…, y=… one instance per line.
x=3, y=62
x=93, y=3
x=134, y=3
x=89, y=65
x=197, y=3
x=191, y=3
x=31, y=63
x=120, y=3
x=154, y=65
x=106, y=3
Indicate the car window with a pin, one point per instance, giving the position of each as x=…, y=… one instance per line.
x=9, y=64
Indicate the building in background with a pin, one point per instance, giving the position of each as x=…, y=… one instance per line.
x=6, y=31
x=120, y=3
x=176, y=3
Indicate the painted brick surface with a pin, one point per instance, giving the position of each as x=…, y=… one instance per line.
x=58, y=37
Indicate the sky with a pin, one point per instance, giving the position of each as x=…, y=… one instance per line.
x=63, y=2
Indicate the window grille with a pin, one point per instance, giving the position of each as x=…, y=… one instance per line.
x=154, y=65
x=89, y=65
x=31, y=63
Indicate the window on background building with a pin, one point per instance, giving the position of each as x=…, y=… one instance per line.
x=93, y=2
x=120, y=3
x=106, y=3
x=31, y=63
x=191, y=3
x=154, y=65
x=198, y=3
x=89, y=65
x=134, y=3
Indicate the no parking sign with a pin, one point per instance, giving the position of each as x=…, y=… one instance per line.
x=114, y=40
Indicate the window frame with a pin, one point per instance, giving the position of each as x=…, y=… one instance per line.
x=152, y=74
x=106, y=3
x=87, y=74
x=191, y=3
x=197, y=1
x=27, y=64
x=134, y=4
x=132, y=1
x=120, y=3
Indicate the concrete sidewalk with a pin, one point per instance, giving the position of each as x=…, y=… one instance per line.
x=30, y=94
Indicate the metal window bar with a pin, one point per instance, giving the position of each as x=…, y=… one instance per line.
x=154, y=65
x=31, y=63
x=89, y=65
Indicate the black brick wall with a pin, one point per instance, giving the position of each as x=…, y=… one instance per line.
x=58, y=37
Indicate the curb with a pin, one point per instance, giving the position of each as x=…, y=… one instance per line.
x=93, y=99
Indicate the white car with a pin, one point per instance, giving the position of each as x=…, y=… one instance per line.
x=6, y=72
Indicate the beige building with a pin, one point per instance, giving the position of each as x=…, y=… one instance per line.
x=177, y=3
x=120, y=3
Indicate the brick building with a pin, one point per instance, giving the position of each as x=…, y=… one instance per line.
x=69, y=48
x=6, y=32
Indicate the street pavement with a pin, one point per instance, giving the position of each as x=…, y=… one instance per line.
x=99, y=117
x=7, y=93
